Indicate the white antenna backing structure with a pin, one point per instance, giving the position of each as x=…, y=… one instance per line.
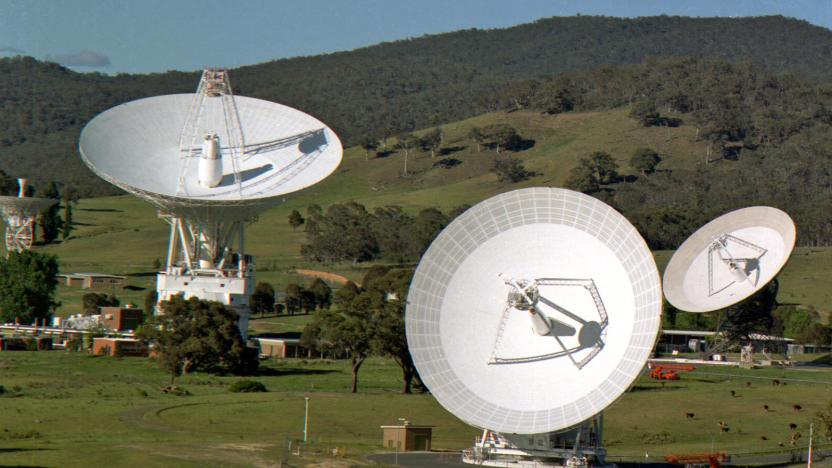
x=210, y=161
x=533, y=311
x=19, y=216
x=729, y=259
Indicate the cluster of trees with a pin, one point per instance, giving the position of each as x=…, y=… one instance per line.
x=497, y=136
x=316, y=295
x=196, y=335
x=348, y=232
x=92, y=301
x=366, y=321
x=28, y=281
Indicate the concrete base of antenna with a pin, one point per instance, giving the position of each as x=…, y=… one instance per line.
x=546, y=450
x=229, y=287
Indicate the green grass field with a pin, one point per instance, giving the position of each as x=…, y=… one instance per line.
x=69, y=409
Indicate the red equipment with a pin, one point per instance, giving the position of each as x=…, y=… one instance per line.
x=668, y=371
x=715, y=460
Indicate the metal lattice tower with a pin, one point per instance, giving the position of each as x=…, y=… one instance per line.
x=214, y=84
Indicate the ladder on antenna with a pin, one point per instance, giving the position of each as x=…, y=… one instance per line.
x=214, y=84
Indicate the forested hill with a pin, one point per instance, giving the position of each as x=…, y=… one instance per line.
x=392, y=87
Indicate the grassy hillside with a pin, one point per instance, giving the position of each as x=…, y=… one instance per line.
x=123, y=235
x=392, y=87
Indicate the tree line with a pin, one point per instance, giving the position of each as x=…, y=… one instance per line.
x=349, y=232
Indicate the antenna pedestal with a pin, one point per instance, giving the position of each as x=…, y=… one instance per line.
x=206, y=260
x=580, y=446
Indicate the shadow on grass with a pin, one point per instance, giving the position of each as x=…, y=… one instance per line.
x=9, y=450
x=144, y=274
x=450, y=150
x=12, y=450
x=269, y=371
x=101, y=210
x=447, y=163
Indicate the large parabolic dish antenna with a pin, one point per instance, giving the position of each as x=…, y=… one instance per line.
x=533, y=311
x=729, y=259
x=210, y=161
x=136, y=146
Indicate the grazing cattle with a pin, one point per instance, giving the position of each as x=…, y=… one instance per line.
x=748, y=384
x=792, y=426
x=793, y=439
x=775, y=382
x=765, y=407
x=763, y=438
x=796, y=408
x=723, y=426
x=689, y=415
x=733, y=393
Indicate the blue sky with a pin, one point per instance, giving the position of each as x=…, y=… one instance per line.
x=144, y=36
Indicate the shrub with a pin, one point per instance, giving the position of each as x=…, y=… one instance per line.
x=247, y=386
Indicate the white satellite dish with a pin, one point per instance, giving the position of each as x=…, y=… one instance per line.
x=729, y=259
x=210, y=161
x=533, y=311
x=19, y=215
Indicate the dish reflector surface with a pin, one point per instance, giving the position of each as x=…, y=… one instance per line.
x=24, y=205
x=729, y=259
x=588, y=272
x=136, y=147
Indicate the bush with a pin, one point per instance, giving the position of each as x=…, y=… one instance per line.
x=2, y=389
x=247, y=386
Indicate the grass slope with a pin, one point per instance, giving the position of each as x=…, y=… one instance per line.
x=123, y=234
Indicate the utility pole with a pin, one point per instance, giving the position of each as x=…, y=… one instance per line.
x=306, y=420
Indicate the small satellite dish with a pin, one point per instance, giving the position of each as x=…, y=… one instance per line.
x=19, y=215
x=533, y=311
x=729, y=259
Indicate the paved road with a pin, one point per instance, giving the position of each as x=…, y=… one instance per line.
x=420, y=459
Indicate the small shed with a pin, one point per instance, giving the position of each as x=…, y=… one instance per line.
x=121, y=318
x=119, y=347
x=283, y=345
x=407, y=437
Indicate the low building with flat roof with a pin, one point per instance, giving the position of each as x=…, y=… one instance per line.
x=282, y=345
x=91, y=280
x=407, y=437
x=119, y=347
x=121, y=318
